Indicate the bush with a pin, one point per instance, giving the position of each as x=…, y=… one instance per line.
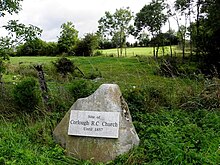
x=87, y=45
x=145, y=99
x=208, y=98
x=26, y=95
x=168, y=68
x=37, y=47
x=174, y=67
x=176, y=137
x=81, y=88
x=32, y=48
x=27, y=71
x=51, y=49
x=95, y=73
x=98, y=53
x=64, y=66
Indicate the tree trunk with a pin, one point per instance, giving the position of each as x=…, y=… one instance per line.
x=182, y=35
x=121, y=51
x=157, y=51
x=154, y=52
x=121, y=47
x=190, y=31
x=197, y=24
x=163, y=51
x=171, y=51
x=183, y=49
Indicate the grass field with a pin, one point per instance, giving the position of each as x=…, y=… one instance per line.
x=177, y=118
x=124, y=71
x=139, y=51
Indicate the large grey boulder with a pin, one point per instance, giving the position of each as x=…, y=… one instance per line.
x=107, y=98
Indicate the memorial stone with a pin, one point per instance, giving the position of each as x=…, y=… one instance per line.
x=98, y=127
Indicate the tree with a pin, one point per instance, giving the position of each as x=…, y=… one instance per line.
x=169, y=14
x=5, y=50
x=20, y=32
x=34, y=47
x=181, y=34
x=151, y=17
x=117, y=25
x=117, y=38
x=208, y=40
x=6, y=6
x=143, y=39
x=51, y=49
x=184, y=9
x=106, y=44
x=87, y=45
x=9, y=6
x=68, y=38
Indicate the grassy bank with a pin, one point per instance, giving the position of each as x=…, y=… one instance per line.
x=177, y=118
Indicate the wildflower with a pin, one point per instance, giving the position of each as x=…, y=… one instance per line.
x=14, y=77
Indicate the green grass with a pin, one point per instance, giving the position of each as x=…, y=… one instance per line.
x=31, y=60
x=139, y=51
x=123, y=71
x=177, y=119
x=176, y=137
x=23, y=142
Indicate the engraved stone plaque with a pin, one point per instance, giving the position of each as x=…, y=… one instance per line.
x=98, y=127
x=94, y=124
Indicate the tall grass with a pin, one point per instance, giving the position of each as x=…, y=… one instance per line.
x=23, y=142
x=177, y=118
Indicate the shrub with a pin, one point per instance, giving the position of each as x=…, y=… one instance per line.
x=175, y=137
x=168, y=68
x=95, y=73
x=208, y=98
x=26, y=95
x=172, y=67
x=81, y=88
x=51, y=49
x=145, y=99
x=26, y=70
x=98, y=53
x=34, y=47
x=87, y=45
x=37, y=47
x=64, y=66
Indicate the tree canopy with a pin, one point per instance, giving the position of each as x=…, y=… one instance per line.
x=9, y=6
x=6, y=6
x=116, y=25
x=87, y=45
x=151, y=17
x=68, y=38
x=21, y=32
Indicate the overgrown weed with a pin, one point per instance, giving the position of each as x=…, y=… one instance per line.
x=176, y=117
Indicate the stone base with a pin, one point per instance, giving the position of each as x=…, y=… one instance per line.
x=107, y=98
